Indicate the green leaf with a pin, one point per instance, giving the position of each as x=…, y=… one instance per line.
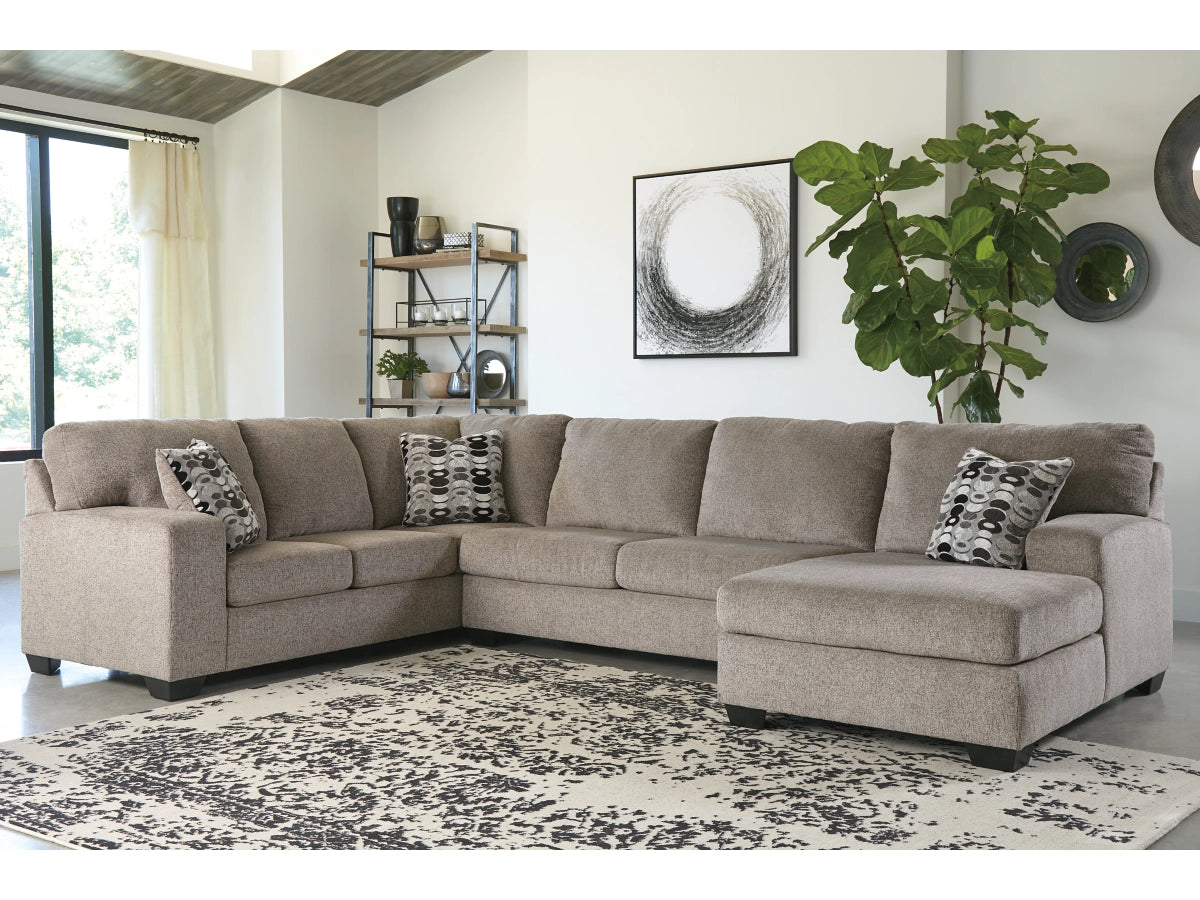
x=1035, y=283
x=972, y=134
x=1012, y=237
x=919, y=357
x=966, y=225
x=986, y=248
x=1045, y=244
x=881, y=347
x=835, y=227
x=978, y=277
x=1029, y=365
x=825, y=161
x=944, y=381
x=857, y=299
x=921, y=244
x=946, y=151
x=999, y=319
x=877, y=307
x=933, y=226
x=874, y=159
x=1012, y=126
x=978, y=399
x=869, y=260
x=1015, y=388
x=911, y=173
x=925, y=291
x=845, y=197
x=1077, y=178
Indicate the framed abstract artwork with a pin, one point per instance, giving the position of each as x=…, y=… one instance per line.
x=714, y=262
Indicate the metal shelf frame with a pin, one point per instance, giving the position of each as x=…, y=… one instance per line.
x=412, y=267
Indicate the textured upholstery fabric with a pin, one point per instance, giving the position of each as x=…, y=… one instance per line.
x=451, y=481
x=903, y=603
x=392, y=556
x=698, y=566
x=131, y=588
x=817, y=482
x=584, y=557
x=1130, y=558
x=1113, y=464
x=280, y=570
x=311, y=476
x=532, y=448
x=998, y=706
x=378, y=443
x=458, y=530
x=1158, y=497
x=631, y=475
x=198, y=479
x=112, y=463
x=39, y=494
x=289, y=629
x=629, y=620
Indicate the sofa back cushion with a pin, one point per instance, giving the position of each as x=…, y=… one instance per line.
x=310, y=474
x=1113, y=467
x=812, y=482
x=378, y=443
x=640, y=475
x=532, y=449
x=113, y=463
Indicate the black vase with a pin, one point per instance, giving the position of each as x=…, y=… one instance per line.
x=403, y=213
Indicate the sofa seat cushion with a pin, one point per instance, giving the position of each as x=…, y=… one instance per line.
x=283, y=570
x=910, y=604
x=696, y=567
x=575, y=557
x=392, y=556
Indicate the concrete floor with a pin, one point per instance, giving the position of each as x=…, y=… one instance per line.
x=1167, y=722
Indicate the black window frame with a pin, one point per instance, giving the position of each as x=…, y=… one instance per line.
x=41, y=272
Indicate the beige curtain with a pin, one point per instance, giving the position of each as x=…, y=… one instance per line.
x=177, y=373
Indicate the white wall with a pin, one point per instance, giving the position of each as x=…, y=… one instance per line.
x=12, y=491
x=249, y=247
x=1114, y=107
x=329, y=169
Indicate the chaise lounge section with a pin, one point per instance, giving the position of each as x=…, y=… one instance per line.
x=790, y=551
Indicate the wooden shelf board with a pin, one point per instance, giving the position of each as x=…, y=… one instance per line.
x=442, y=331
x=442, y=260
x=389, y=403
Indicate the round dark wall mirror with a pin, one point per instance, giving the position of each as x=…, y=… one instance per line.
x=1175, y=172
x=1103, y=273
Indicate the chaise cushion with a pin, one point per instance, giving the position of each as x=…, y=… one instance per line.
x=642, y=475
x=378, y=443
x=1113, y=467
x=393, y=556
x=532, y=448
x=283, y=570
x=910, y=604
x=311, y=476
x=113, y=463
x=817, y=482
x=698, y=566
x=576, y=557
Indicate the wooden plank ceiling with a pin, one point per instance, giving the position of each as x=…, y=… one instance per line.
x=128, y=80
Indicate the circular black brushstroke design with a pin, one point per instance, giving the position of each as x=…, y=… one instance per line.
x=672, y=320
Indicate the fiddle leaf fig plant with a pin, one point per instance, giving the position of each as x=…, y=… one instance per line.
x=944, y=294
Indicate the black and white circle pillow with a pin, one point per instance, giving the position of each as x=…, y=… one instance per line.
x=453, y=481
x=209, y=486
x=991, y=506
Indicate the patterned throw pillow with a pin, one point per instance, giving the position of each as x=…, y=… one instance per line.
x=453, y=481
x=199, y=478
x=991, y=506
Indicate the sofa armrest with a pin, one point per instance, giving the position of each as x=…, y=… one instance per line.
x=39, y=495
x=138, y=589
x=1130, y=558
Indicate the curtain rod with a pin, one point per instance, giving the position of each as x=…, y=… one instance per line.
x=145, y=132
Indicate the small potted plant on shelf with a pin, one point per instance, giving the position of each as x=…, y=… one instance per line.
x=401, y=369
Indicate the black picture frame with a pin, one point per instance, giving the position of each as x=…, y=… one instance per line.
x=715, y=262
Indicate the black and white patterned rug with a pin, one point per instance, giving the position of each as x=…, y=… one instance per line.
x=474, y=748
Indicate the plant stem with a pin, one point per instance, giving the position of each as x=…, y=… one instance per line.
x=937, y=401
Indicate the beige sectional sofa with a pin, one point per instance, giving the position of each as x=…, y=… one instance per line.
x=790, y=551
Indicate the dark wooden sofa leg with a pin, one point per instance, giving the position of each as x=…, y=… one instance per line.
x=481, y=637
x=1001, y=759
x=1147, y=687
x=745, y=716
x=174, y=690
x=43, y=665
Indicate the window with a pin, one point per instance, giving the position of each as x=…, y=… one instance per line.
x=68, y=283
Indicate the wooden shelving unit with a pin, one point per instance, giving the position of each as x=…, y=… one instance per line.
x=474, y=329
